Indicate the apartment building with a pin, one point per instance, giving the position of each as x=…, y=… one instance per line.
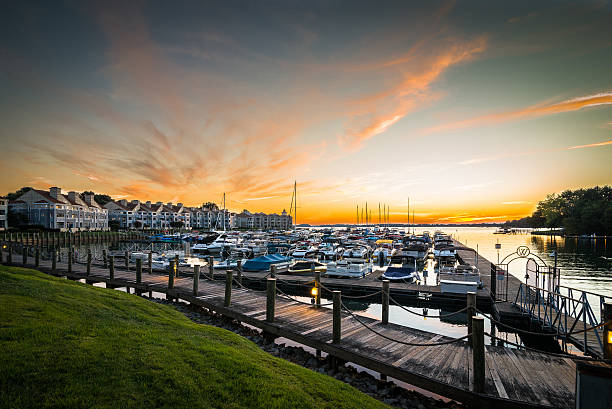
x=54, y=210
x=3, y=213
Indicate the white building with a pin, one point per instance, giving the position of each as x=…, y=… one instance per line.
x=53, y=210
x=262, y=221
x=3, y=213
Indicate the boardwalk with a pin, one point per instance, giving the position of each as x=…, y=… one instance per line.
x=514, y=378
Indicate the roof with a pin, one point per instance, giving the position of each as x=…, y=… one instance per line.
x=48, y=196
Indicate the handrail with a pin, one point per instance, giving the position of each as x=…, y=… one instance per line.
x=552, y=309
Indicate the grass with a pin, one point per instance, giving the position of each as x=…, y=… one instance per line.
x=71, y=345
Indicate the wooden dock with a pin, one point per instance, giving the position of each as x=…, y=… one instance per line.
x=513, y=378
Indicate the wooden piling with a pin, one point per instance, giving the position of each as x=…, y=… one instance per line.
x=9, y=256
x=239, y=271
x=385, y=301
x=273, y=271
x=24, y=255
x=607, y=334
x=317, y=276
x=37, y=257
x=70, y=254
x=229, y=276
x=471, y=311
x=211, y=271
x=53, y=260
x=171, y=271
x=138, y=275
x=478, y=354
x=104, y=259
x=337, y=317
x=150, y=261
x=270, y=299
x=127, y=260
x=111, y=267
x=88, y=272
x=196, y=280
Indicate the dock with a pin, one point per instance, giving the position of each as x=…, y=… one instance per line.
x=513, y=378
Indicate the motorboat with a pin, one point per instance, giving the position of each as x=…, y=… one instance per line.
x=464, y=273
x=303, y=251
x=407, y=274
x=264, y=263
x=346, y=268
x=305, y=267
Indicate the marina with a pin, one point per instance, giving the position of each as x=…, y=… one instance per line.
x=513, y=376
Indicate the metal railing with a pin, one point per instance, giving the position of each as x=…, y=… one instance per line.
x=565, y=310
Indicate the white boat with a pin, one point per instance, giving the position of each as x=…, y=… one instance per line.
x=345, y=268
x=465, y=273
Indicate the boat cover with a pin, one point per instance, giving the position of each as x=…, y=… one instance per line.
x=399, y=273
x=263, y=263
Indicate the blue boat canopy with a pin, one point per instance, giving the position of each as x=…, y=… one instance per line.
x=263, y=263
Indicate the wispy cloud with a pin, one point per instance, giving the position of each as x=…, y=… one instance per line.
x=532, y=152
x=516, y=202
x=534, y=111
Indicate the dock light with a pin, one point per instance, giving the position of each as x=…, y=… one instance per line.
x=314, y=291
x=609, y=337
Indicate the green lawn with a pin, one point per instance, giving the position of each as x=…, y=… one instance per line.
x=67, y=344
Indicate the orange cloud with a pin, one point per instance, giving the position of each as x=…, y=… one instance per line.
x=421, y=67
x=534, y=111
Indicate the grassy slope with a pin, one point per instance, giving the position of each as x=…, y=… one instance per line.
x=66, y=344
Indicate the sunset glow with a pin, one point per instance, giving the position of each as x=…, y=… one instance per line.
x=473, y=111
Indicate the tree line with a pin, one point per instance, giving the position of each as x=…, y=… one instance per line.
x=580, y=211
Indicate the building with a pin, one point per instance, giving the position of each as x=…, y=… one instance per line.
x=147, y=215
x=3, y=213
x=262, y=221
x=53, y=210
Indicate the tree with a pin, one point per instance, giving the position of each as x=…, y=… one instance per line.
x=581, y=211
x=114, y=225
x=15, y=195
x=101, y=199
x=177, y=225
x=137, y=224
x=211, y=206
x=17, y=220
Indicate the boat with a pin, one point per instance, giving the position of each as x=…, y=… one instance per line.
x=263, y=263
x=349, y=269
x=305, y=267
x=406, y=274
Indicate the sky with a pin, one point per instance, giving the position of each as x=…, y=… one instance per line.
x=473, y=110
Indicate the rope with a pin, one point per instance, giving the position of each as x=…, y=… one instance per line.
x=427, y=315
x=539, y=333
x=247, y=288
x=285, y=295
x=403, y=342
